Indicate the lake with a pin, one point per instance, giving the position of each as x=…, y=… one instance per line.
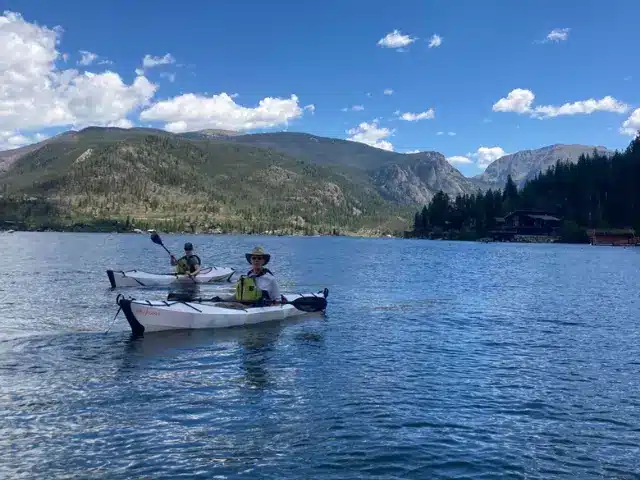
x=435, y=359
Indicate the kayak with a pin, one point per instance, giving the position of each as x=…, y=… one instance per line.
x=137, y=278
x=157, y=315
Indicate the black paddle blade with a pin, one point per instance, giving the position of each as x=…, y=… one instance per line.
x=155, y=238
x=310, y=304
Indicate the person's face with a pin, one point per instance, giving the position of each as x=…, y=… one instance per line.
x=257, y=261
x=188, y=252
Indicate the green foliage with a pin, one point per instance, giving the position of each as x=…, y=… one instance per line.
x=146, y=179
x=598, y=191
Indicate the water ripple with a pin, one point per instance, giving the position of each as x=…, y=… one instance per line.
x=435, y=360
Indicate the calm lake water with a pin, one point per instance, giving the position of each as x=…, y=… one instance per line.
x=434, y=360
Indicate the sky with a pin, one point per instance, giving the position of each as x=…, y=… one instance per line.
x=472, y=79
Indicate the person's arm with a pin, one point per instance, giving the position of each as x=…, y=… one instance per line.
x=274, y=291
x=173, y=260
x=196, y=266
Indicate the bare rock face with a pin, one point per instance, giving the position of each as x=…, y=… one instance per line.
x=419, y=178
x=526, y=164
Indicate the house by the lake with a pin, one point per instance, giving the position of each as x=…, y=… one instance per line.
x=527, y=223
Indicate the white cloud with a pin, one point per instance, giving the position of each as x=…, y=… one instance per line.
x=440, y=133
x=149, y=61
x=169, y=76
x=459, y=159
x=413, y=117
x=487, y=155
x=10, y=140
x=435, y=41
x=388, y=91
x=451, y=134
x=631, y=125
x=196, y=112
x=371, y=134
x=87, y=57
x=355, y=108
x=396, y=40
x=122, y=123
x=412, y=151
x=558, y=35
x=582, y=107
x=35, y=94
x=520, y=101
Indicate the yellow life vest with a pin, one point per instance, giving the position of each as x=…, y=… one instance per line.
x=182, y=266
x=247, y=289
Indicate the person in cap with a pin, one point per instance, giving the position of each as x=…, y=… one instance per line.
x=189, y=264
x=259, y=285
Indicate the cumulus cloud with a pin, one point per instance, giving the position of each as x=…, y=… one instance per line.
x=36, y=94
x=518, y=100
x=196, y=112
x=10, y=140
x=396, y=40
x=521, y=100
x=558, y=35
x=414, y=117
x=87, y=57
x=631, y=125
x=150, y=61
x=388, y=91
x=487, y=155
x=371, y=134
x=459, y=160
x=435, y=41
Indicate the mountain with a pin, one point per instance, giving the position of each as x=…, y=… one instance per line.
x=170, y=182
x=526, y=164
x=401, y=178
x=419, y=177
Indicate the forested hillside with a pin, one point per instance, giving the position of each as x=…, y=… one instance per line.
x=599, y=191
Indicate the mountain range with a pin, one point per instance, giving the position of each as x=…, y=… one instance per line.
x=280, y=180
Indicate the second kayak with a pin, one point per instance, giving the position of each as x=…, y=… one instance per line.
x=137, y=278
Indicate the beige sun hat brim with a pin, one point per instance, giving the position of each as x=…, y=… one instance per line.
x=258, y=251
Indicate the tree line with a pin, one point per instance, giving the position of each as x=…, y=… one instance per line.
x=598, y=191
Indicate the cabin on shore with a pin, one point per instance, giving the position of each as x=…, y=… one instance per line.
x=527, y=223
x=613, y=236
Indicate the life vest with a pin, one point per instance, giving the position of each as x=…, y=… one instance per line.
x=183, y=266
x=247, y=289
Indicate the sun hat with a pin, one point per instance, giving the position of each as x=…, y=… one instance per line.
x=258, y=251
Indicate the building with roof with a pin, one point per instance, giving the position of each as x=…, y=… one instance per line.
x=527, y=223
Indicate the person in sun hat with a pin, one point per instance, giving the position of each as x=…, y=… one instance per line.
x=189, y=264
x=259, y=285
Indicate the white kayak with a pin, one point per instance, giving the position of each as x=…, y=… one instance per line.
x=137, y=278
x=157, y=315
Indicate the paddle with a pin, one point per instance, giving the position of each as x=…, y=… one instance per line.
x=305, y=304
x=155, y=238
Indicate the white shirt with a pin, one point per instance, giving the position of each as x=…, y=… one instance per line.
x=268, y=283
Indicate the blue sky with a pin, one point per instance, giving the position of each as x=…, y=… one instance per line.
x=459, y=59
